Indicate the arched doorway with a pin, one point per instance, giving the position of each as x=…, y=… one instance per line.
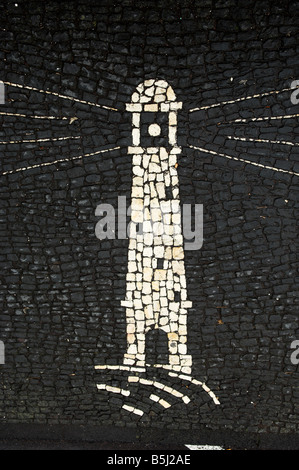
x=156, y=347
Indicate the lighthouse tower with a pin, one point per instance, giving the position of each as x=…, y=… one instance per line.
x=156, y=294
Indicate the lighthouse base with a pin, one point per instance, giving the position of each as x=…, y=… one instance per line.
x=178, y=363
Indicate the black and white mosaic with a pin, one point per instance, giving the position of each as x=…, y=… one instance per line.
x=167, y=104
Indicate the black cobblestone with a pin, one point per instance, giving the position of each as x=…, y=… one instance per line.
x=61, y=287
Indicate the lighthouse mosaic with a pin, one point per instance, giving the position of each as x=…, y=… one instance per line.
x=156, y=297
x=156, y=294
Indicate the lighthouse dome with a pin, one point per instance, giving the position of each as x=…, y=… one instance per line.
x=153, y=91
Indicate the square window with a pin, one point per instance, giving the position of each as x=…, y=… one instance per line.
x=154, y=129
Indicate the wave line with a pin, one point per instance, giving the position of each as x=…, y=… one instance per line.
x=109, y=388
x=132, y=409
x=197, y=382
x=159, y=400
x=159, y=385
x=190, y=379
x=115, y=367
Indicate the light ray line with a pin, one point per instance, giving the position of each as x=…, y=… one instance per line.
x=243, y=160
x=58, y=161
x=223, y=103
x=27, y=141
x=34, y=117
x=65, y=97
x=264, y=118
x=248, y=139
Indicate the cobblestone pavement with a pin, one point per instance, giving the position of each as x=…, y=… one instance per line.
x=150, y=104
x=16, y=444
